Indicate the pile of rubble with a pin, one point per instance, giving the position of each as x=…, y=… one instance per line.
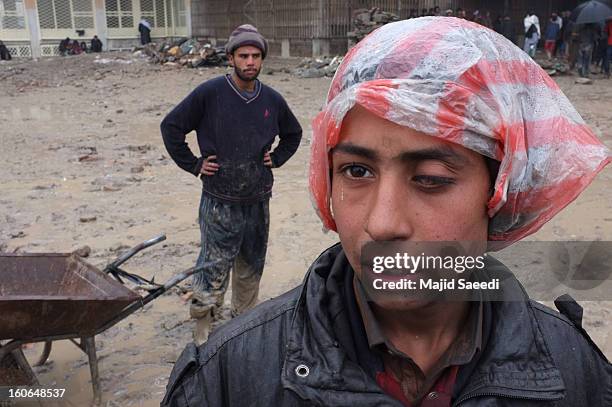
x=185, y=52
x=317, y=67
x=555, y=67
x=365, y=21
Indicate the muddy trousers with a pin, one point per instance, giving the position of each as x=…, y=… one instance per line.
x=236, y=235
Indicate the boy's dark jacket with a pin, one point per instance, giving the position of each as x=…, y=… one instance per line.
x=532, y=355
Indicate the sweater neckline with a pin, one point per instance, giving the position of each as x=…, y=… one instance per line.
x=258, y=87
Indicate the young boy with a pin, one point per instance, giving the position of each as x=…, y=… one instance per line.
x=435, y=129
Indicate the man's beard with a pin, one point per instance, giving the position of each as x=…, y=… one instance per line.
x=245, y=78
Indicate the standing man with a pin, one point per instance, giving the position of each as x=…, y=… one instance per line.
x=237, y=119
x=532, y=33
x=507, y=29
x=144, y=28
x=587, y=37
x=551, y=35
x=567, y=32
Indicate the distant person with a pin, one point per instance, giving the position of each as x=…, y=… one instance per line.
x=551, y=35
x=573, y=45
x=566, y=35
x=507, y=29
x=587, y=38
x=145, y=31
x=558, y=19
x=65, y=46
x=414, y=13
x=561, y=46
x=75, y=48
x=608, y=54
x=461, y=13
x=487, y=21
x=497, y=24
x=532, y=33
x=96, y=44
x=84, y=46
x=5, y=55
x=437, y=11
x=448, y=12
x=599, y=49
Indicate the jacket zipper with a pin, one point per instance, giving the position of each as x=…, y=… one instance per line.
x=474, y=395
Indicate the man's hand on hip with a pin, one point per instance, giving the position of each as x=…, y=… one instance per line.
x=209, y=167
x=268, y=160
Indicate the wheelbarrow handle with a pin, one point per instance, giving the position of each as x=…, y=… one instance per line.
x=125, y=256
x=177, y=278
x=154, y=294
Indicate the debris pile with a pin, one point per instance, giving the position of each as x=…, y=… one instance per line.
x=318, y=67
x=185, y=52
x=557, y=67
x=365, y=21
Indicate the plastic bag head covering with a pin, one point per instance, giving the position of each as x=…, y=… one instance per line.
x=464, y=83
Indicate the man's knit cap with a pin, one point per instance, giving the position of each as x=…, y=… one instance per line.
x=244, y=35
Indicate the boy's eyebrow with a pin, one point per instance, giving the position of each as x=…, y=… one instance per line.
x=353, y=149
x=442, y=153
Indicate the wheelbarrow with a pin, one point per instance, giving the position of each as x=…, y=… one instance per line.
x=50, y=297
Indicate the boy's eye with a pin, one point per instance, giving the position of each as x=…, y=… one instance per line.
x=431, y=181
x=356, y=171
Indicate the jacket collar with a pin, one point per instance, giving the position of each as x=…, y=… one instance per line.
x=515, y=362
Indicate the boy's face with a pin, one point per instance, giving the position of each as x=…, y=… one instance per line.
x=392, y=183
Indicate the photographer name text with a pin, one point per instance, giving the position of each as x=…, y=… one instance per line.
x=435, y=285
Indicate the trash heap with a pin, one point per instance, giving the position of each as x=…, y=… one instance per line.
x=365, y=21
x=317, y=67
x=556, y=67
x=185, y=52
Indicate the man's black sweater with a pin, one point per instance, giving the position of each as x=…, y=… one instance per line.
x=238, y=131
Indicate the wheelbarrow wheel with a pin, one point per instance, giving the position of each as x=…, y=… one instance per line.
x=45, y=354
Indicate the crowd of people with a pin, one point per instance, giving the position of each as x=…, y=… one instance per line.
x=581, y=45
x=503, y=24
x=74, y=47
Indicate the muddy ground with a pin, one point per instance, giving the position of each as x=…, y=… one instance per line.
x=82, y=163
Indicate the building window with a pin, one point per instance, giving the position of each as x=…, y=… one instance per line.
x=12, y=15
x=119, y=14
x=160, y=13
x=65, y=14
x=180, y=13
x=153, y=12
